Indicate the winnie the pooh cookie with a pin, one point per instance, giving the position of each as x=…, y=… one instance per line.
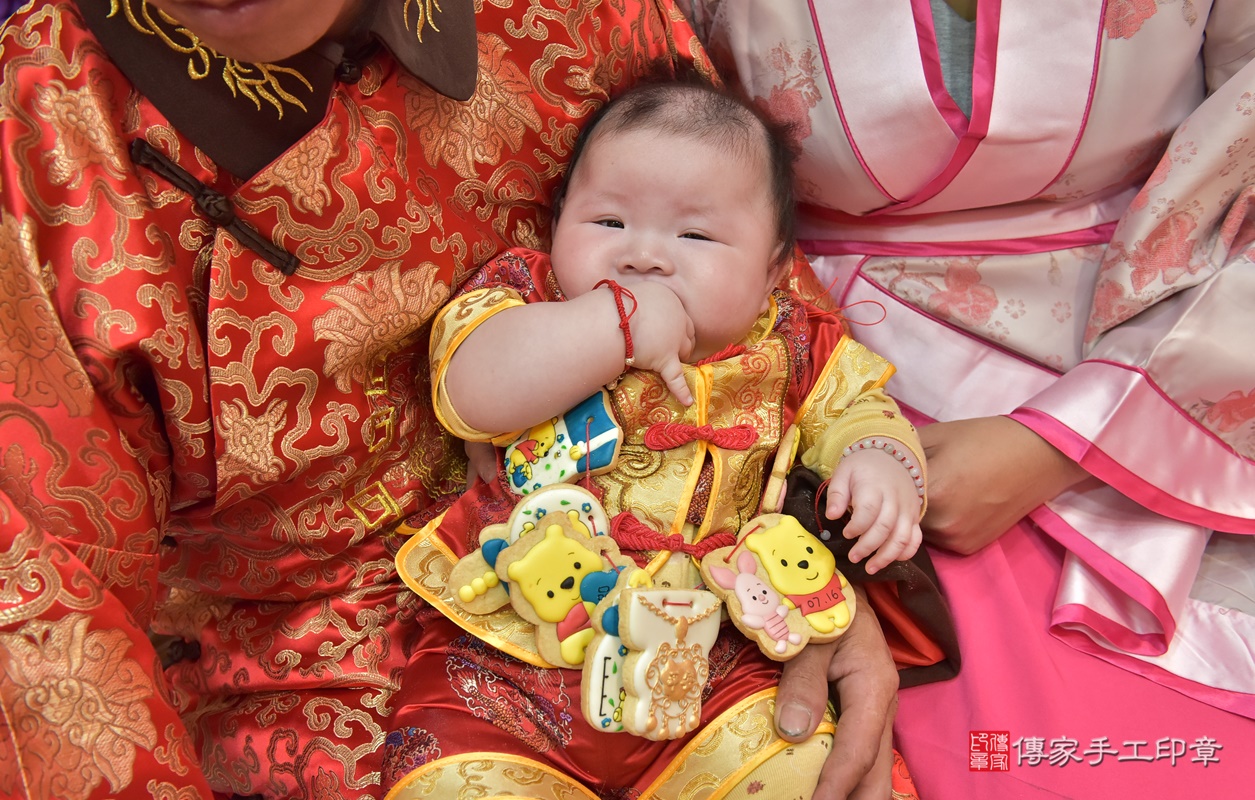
x=474, y=580
x=583, y=441
x=785, y=590
x=557, y=571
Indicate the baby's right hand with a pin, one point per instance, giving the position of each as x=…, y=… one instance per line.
x=662, y=335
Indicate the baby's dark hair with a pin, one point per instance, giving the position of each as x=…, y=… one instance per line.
x=706, y=113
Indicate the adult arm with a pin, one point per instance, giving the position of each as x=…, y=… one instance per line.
x=84, y=462
x=985, y=475
x=1177, y=273
x=860, y=670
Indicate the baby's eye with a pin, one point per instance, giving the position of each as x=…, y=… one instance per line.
x=809, y=550
x=610, y=223
x=784, y=563
x=699, y=237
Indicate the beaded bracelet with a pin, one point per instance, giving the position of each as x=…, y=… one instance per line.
x=625, y=318
x=891, y=447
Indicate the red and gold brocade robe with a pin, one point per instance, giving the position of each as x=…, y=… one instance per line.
x=193, y=442
x=797, y=367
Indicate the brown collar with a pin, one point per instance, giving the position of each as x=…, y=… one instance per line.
x=243, y=116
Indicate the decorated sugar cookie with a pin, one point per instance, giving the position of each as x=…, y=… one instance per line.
x=762, y=608
x=474, y=578
x=668, y=634
x=601, y=687
x=584, y=440
x=602, y=694
x=779, y=564
x=557, y=572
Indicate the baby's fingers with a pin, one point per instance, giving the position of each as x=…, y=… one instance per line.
x=877, y=533
x=900, y=546
x=838, y=494
x=673, y=375
x=865, y=507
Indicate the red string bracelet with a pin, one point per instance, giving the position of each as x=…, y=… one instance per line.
x=625, y=317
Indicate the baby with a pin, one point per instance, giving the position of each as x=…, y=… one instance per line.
x=671, y=237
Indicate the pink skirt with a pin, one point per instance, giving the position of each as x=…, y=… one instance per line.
x=1031, y=717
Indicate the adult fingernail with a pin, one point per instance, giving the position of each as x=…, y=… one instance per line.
x=795, y=720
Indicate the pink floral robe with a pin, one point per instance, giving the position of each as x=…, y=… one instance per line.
x=1077, y=255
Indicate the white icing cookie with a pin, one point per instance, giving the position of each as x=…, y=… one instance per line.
x=668, y=633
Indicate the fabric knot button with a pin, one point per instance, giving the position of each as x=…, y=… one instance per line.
x=666, y=435
x=674, y=542
x=349, y=71
x=187, y=651
x=174, y=650
x=216, y=206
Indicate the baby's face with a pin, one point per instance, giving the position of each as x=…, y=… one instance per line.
x=648, y=206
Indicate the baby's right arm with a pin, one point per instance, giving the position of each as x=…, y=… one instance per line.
x=577, y=346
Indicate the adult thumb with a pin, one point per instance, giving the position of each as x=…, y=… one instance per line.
x=802, y=696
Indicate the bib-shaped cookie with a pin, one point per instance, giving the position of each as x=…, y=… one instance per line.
x=668, y=633
x=777, y=564
x=583, y=441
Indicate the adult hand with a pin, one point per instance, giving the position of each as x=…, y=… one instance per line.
x=984, y=475
x=860, y=668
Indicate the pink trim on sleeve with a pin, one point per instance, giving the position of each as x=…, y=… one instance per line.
x=1116, y=425
x=1233, y=701
x=1128, y=581
x=1100, y=234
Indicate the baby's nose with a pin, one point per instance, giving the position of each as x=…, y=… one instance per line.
x=568, y=583
x=646, y=258
x=800, y=565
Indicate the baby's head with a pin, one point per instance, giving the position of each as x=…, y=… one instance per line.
x=686, y=185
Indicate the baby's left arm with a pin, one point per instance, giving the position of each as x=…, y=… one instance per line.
x=855, y=435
